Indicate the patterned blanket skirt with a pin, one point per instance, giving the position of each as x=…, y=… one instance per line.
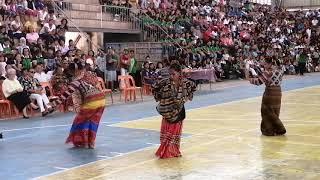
x=170, y=137
x=271, y=125
x=86, y=123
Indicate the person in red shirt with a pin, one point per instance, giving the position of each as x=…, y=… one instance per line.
x=124, y=62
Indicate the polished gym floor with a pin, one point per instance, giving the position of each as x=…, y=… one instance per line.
x=221, y=140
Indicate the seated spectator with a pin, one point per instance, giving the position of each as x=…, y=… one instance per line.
x=40, y=75
x=33, y=87
x=30, y=23
x=3, y=65
x=17, y=27
x=32, y=36
x=23, y=45
x=43, y=13
x=194, y=65
x=38, y=57
x=159, y=67
x=6, y=46
x=152, y=71
x=162, y=71
x=15, y=61
x=64, y=25
x=51, y=16
x=146, y=75
x=51, y=60
x=14, y=92
x=47, y=29
x=26, y=59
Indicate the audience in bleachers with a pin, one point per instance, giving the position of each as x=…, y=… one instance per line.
x=204, y=34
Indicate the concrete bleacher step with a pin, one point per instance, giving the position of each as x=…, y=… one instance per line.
x=86, y=7
x=92, y=2
x=89, y=15
x=105, y=26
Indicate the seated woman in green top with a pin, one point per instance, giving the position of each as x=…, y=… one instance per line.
x=26, y=59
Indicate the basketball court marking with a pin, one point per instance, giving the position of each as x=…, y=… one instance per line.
x=224, y=140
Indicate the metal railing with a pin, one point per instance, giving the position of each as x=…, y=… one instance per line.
x=99, y=14
x=151, y=31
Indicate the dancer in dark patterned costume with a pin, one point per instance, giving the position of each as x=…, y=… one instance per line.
x=271, y=125
x=172, y=93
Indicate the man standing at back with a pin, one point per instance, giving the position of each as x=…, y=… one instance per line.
x=133, y=66
x=111, y=66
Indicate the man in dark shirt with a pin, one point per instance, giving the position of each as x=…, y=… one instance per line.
x=111, y=67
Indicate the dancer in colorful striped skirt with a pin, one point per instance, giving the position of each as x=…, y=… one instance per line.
x=172, y=93
x=271, y=124
x=90, y=106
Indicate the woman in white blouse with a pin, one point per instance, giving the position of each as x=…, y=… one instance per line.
x=13, y=91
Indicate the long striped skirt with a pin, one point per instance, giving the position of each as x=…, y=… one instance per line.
x=170, y=137
x=271, y=125
x=85, y=125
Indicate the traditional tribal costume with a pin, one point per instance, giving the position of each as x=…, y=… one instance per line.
x=271, y=125
x=92, y=104
x=171, y=107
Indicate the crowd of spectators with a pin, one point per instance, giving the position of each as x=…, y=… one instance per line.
x=33, y=52
x=214, y=34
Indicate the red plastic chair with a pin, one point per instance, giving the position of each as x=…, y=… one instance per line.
x=128, y=87
x=5, y=105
